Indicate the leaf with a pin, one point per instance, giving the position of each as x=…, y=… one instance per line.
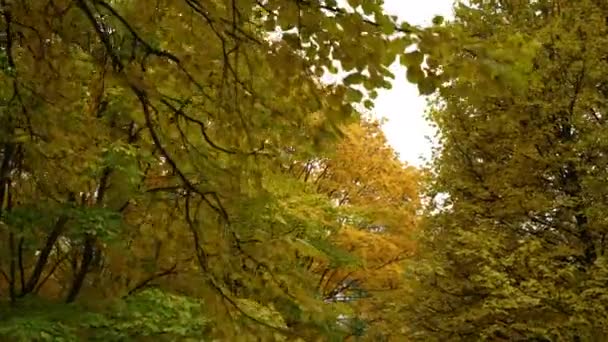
x=426, y=86
x=264, y=313
x=438, y=20
x=353, y=78
x=412, y=59
x=354, y=95
x=414, y=74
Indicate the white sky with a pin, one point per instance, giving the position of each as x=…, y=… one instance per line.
x=407, y=129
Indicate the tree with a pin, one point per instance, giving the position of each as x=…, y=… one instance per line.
x=516, y=249
x=142, y=146
x=377, y=198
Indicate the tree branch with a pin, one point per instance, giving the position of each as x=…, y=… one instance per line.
x=145, y=283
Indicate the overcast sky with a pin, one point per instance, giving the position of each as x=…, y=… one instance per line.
x=406, y=128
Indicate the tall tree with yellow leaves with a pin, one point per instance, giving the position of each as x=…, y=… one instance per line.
x=516, y=250
x=377, y=196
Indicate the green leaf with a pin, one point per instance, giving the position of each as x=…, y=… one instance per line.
x=353, y=95
x=438, y=20
x=353, y=78
x=414, y=74
x=412, y=59
x=426, y=86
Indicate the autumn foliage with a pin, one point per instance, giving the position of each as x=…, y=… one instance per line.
x=179, y=170
x=148, y=158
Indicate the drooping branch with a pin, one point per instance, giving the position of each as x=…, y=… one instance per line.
x=148, y=48
x=145, y=104
x=102, y=34
x=143, y=98
x=180, y=112
x=202, y=126
x=203, y=263
x=147, y=281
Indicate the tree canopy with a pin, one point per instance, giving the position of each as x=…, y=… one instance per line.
x=515, y=251
x=180, y=170
x=148, y=157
